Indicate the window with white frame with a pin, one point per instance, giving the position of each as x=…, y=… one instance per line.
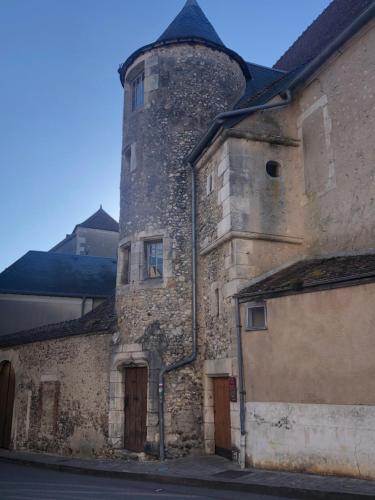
x=153, y=259
x=256, y=316
x=138, y=91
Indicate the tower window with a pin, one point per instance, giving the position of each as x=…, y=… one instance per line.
x=256, y=316
x=273, y=168
x=154, y=259
x=138, y=91
x=125, y=272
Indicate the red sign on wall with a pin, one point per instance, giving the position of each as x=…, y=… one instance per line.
x=232, y=389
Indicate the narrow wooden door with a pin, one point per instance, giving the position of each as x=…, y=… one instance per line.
x=223, y=443
x=135, y=408
x=7, y=382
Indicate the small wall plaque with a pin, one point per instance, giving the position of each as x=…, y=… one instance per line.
x=233, y=389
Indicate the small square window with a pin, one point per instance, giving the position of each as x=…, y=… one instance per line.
x=138, y=91
x=153, y=259
x=256, y=317
x=125, y=271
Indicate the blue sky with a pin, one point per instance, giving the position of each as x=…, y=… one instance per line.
x=61, y=100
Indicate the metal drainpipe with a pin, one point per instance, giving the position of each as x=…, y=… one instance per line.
x=193, y=355
x=191, y=158
x=241, y=387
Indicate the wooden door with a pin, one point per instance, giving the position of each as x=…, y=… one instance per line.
x=135, y=408
x=7, y=382
x=223, y=443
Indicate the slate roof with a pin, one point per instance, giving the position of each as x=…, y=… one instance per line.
x=102, y=319
x=326, y=27
x=191, y=26
x=191, y=22
x=314, y=274
x=57, y=274
x=263, y=78
x=100, y=220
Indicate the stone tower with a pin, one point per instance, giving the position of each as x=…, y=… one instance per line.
x=173, y=87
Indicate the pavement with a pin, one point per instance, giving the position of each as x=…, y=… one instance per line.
x=205, y=472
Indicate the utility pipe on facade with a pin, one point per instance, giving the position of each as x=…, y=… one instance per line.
x=241, y=385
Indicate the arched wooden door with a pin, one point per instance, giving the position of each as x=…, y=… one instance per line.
x=7, y=383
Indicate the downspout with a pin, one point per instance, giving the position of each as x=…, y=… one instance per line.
x=241, y=386
x=191, y=158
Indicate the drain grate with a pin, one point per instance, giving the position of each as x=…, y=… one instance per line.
x=231, y=474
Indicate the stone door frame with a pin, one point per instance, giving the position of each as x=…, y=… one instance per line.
x=212, y=369
x=131, y=355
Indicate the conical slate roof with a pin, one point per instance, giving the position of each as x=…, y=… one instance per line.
x=191, y=26
x=191, y=23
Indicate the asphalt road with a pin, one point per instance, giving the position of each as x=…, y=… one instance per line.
x=19, y=482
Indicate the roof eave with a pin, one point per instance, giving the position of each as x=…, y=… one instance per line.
x=188, y=40
x=310, y=288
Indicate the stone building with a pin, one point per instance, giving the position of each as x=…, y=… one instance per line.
x=246, y=254
x=71, y=279
x=96, y=236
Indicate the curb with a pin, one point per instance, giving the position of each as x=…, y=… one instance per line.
x=272, y=490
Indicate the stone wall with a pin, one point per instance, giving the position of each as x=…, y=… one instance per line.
x=61, y=395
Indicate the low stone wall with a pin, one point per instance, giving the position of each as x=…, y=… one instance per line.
x=61, y=395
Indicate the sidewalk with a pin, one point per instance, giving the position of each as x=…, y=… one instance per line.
x=205, y=472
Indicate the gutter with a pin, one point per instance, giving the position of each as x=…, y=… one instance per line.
x=222, y=117
x=348, y=32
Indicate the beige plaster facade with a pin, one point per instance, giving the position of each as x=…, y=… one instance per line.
x=22, y=312
x=310, y=383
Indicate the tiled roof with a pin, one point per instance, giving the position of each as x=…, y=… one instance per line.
x=307, y=275
x=100, y=220
x=58, y=274
x=102, y=319
x=331, y=22
x=191, y=22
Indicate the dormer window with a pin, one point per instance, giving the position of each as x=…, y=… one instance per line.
x=138, y=91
